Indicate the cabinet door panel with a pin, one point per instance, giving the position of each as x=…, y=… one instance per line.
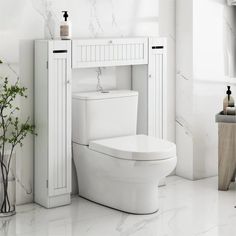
x=59, y=124
x=157, y=93
x=109, y=52
x=155, y=116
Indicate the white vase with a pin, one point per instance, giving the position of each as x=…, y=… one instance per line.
x=8, y=187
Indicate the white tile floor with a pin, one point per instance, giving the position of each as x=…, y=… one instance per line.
x=187, y=208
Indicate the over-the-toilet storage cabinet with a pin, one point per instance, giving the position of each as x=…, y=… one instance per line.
x=54, y=60
x=52, y=88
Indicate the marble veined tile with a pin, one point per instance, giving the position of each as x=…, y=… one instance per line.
x=187, y=208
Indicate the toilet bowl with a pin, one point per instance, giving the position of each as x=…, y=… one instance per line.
x=119, y=171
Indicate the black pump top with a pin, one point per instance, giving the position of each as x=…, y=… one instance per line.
x=228, y=92
x=65, y=15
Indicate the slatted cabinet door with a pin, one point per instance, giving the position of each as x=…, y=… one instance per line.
x=59, y=115
x=109, y=52
x=157, y=94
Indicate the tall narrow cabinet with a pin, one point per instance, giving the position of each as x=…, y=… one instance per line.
x=156, y=112
x=52, y=155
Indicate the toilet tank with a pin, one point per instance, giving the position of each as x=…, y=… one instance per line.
x=97, y=115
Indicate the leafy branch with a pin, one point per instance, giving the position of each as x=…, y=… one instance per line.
x=12, y=131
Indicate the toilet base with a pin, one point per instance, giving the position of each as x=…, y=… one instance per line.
x=129, y=186
x=130, y=198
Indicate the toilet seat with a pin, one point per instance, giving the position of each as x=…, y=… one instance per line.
x=136, y=147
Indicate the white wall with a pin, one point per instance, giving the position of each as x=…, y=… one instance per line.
x=26, y=20
x=205, y=58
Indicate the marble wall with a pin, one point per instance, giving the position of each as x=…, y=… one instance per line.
x=26, y=20
x=205, y=57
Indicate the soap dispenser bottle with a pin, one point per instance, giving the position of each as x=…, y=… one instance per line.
x=228, y=101
x=65, y=27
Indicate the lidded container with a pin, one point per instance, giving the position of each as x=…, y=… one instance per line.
x=228, y=101
x=65, y=27
x=97, y=115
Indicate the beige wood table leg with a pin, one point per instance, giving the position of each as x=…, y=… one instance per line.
x=233, y=179
x=227, y=154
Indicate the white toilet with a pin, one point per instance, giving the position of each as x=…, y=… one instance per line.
x=115, y=166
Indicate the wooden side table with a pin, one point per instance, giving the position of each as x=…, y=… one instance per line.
x=226, y=150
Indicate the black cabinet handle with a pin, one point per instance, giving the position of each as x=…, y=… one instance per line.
x=157, y=47
x=59, y=51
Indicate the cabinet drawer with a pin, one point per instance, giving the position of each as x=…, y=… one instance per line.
x=109, y=52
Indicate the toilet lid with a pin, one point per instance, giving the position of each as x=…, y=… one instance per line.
x=137, y=147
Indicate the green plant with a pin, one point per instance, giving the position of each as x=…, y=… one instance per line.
x=12, y=131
